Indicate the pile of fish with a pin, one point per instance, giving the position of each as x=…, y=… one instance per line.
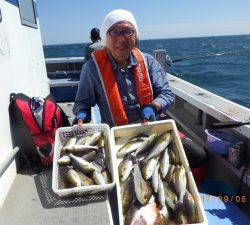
x=154, y=183
x=83, y=161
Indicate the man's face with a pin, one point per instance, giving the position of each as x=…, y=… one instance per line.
x=120, y=39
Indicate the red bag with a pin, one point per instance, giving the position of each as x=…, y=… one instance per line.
x=34, y=122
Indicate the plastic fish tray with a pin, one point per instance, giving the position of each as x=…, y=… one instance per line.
x=62, y=135
x=120, y=135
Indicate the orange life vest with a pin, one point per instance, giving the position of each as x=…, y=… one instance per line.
x=108, y=79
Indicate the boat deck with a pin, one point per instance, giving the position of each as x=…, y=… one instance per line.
x=32, y=201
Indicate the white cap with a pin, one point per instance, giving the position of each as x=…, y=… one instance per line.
x=116, y=16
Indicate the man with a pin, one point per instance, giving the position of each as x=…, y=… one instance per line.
x=95, y=45
x=128, y=86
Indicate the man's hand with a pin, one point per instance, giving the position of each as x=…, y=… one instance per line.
x=80, y=122
x=80, y=117
x=148, y=113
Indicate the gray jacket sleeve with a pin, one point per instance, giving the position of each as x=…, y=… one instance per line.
x=158, y=77
x=85, y=96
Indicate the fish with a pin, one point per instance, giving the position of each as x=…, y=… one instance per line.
x=128, y=147
x=140, y=137
x=170, y=175
x=148, y=168
x=145, y=144
x=161, y=194
x=164, y=216
x=155, y=178
x=190, y=207
x=164, y=163
x=161, y=143
x=106, y=175
x=82, y=140
x=69, y=143
x=101, y=142
x=143, y=190
x=125, y=168
x=89, y=156
x=127, y=189
x=170, y=197
x=64, y=161
x=173, y=155
x=94, y=138
x=73, y=177
x=142, y=215
x=180, y=181
x=81, y=149
x=84, y=165
x=179, y=214
x=100, y=160
x=85, y=180
x=98, y=178
x=97, y=165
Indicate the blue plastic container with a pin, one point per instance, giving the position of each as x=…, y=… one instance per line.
x=219, y=141
x=217, y=188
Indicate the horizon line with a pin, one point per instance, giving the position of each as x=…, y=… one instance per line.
x=158, y=38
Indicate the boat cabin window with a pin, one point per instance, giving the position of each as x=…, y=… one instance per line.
x=27, y=13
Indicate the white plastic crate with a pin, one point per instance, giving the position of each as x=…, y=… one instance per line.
x=120, y=135
x=62, y=135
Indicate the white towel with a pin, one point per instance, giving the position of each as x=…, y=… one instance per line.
x=116, y=16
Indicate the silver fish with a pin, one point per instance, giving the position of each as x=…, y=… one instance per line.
x=64, y=161
x=164, y=163
x=98, y=178
x=84, y=165
x=81, y=148
x=190, y=207
x=161, y=143
x=171, y=198
x=139, y=137
x=148, y=168
x=170, y=175
x=94, y=138
x=82, y=140
x=146, y=144
x=101, y=142
x=127, y=189
x=143, y=190
x=155, y=179
x=142, y=215
x=173, y=154
x=127, y=148
x=70, y=143
x=86, y=181
x=164, y=216
x=180, y=181
x=180, y=215
x=89, y=156
x=106, y=175
x=73, y=178
x=125, y=168
x=161, y=194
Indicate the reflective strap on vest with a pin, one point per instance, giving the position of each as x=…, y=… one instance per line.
x=110, y=86
x=143, y=85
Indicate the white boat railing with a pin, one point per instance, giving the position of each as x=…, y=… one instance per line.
x=9, y=159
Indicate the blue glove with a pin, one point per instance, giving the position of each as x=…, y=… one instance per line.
x=81, y=115
x=149, y=113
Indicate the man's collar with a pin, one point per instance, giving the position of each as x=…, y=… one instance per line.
x=132, y=61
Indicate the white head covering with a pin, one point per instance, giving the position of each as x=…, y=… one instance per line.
x=116, y=16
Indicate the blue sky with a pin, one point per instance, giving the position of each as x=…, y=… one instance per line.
x=68, y=21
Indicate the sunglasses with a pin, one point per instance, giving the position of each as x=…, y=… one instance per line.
x=126, y=33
